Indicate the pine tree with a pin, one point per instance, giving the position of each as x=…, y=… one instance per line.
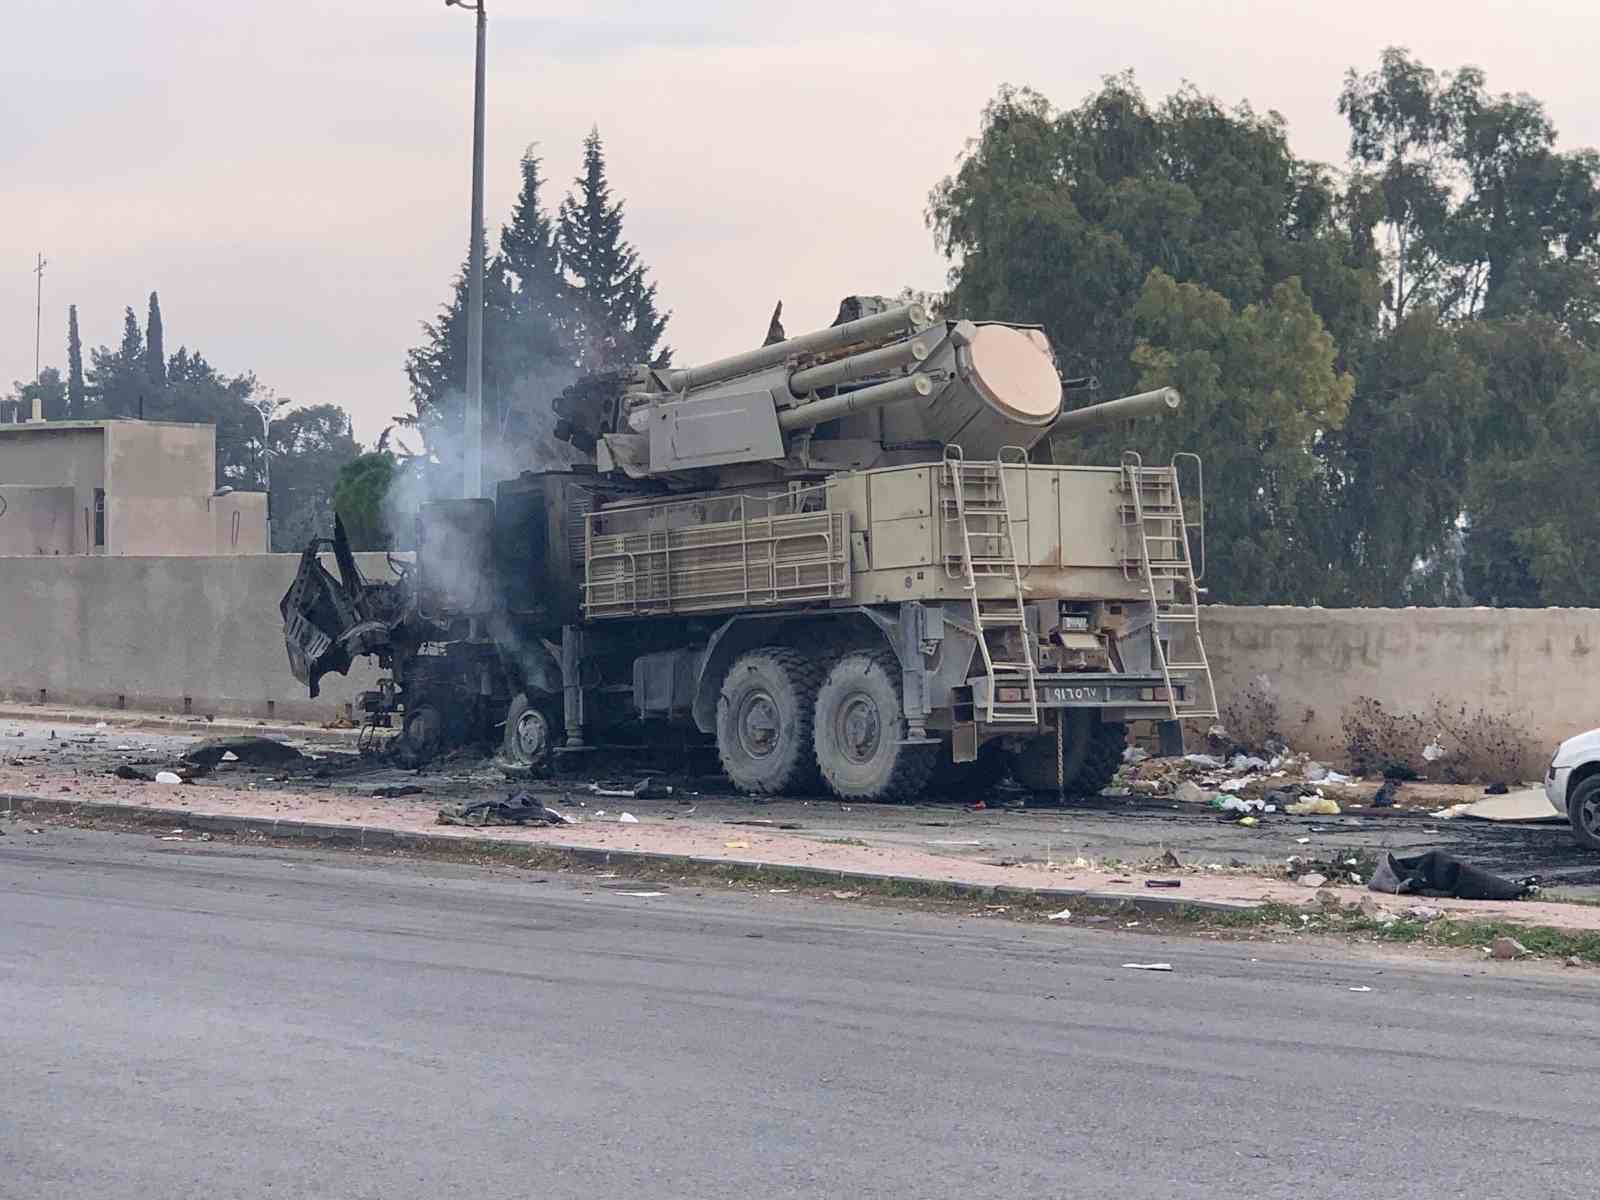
x=155, y=359
x=117, y=380
x=131, y=352
x=528, y=243
x=539, y=307
x=75, y=409
x=615, y=306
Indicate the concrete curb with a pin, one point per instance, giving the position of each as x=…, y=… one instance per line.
x=149, y=720
x=374, y=837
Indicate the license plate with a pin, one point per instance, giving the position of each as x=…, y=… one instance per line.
x=1060, y=694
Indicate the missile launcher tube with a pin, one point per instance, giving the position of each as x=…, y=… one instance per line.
x=858, y=366
x=907, y=387
x=894, y=323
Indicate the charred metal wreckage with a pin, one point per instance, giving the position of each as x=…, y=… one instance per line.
x=839, y=556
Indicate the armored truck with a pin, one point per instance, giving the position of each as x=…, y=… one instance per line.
x=843, y=558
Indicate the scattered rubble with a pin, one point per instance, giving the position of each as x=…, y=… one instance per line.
x=1506, y=948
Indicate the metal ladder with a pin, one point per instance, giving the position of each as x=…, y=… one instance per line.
x=975, y=502
x=1152, y=513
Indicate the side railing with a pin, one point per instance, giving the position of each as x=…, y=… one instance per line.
x=659, y=559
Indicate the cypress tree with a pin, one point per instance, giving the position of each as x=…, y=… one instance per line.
x=155, y=359
x=75, y=409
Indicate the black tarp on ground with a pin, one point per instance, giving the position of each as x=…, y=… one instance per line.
x=1439, y=874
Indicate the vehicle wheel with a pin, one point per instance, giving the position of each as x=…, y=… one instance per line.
x=860, y=725
x=764, y=717
x=968, y=781
x=421, y=734
x=1091, y=756
x=530, y=735
x=1583, y=810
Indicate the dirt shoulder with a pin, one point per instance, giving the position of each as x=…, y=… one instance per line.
x=686, y=834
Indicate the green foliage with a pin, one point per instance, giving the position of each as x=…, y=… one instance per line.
x=306, y=447
x=363, y=484
x=1390, y=373
x=117, y=379
x=560, y=297
x=1485, y=216
x=614, y=308
x=50, y=390
x=1396, y=470
x=310, y=447
x=1059, y=218
x=155, y=357
x=1260, y=384
x=75, y=387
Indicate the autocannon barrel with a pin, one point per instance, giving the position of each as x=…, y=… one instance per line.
x=1125, y=408
x=877, y=328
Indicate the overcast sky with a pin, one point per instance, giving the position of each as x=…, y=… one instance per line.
x=293, y=178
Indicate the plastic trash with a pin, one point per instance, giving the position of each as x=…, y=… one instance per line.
x=168, y=777
x=1239, y=805
x=1148, y=966
x=1312, y=879
x=1190, y=792
x=1249, y=822
x=1204, y=760
x=1248, y=762
x=642, y=895
x=1134, y=754
x=736, y=845
x=1361, y=989
x=1316, y=772
x=1433, y=752
x=627, y=818
x=1064, y=915
x=1319, y=806
x=1334, y=777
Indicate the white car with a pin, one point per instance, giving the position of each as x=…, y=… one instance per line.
x=1572, y=784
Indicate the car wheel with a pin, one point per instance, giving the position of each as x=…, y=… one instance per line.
x=1583, y=810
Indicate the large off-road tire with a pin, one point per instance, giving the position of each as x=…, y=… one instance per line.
x=530, y=734
x=1583, y=811
x=1091, y=755
x=425, y=732
x=860, y=728
x=764, y=716
x=972, y=780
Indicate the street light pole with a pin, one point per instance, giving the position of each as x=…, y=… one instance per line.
x=38, y=315
x=472, y=443
x=265, y=408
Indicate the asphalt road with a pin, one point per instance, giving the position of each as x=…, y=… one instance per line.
x=196, y=1020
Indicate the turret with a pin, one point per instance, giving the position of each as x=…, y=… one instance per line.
x=890, y=385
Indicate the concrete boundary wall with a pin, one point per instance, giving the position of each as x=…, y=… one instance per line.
x=1535, y=666
x=203, y=633
x=171, y=634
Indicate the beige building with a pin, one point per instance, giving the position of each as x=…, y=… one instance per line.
x=121, y=488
